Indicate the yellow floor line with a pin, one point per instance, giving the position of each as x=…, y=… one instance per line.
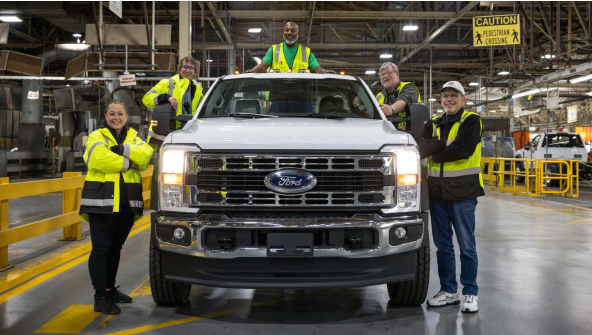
x=72, y=320
x=70, y=264
x=142, y=289
x=588, y=209
x=143, y=329
x=32, y=217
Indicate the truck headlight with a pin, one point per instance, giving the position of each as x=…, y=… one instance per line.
x=407, y=173
x=171, y=179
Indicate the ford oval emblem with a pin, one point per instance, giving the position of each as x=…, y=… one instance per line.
x=290, y=181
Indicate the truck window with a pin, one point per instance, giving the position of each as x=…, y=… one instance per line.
x=564, y=141
x=288, y=97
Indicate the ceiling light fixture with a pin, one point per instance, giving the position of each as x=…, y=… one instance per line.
x=492, y=111
x=473, y=83
x=209, y=60
x=10, y=19
x=503, y=73
x=525, y=93
x=469, y=102
x=255, y=30
x=385, y=55
x=580, y=79
x=410, y=27
x=439, y=111
x=589, y=93
x=76, y=35
x=370, y=72
x=432, y=99
x=547, y=56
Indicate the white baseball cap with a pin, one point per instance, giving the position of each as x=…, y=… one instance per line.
x=455, y=85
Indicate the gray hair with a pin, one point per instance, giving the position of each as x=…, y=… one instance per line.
x=187, y=59
x=387, y=64
x=293, y=23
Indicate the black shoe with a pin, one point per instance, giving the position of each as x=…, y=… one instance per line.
x=105, y=305
x=116, y=295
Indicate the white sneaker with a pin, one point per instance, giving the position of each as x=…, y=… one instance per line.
x=444, y=298
x=469, y=304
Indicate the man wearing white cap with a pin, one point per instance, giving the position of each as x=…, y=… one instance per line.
x=452, y=143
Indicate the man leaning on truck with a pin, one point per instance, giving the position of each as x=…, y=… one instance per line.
x=452, y=143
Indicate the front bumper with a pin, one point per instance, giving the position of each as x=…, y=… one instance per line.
x=250, y=267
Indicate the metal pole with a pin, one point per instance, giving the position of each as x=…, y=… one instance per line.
x=153, y=33
x=431, y=82
x=531, y=33
x=147, y=30
x=126, y=72
x=558, y=29
x=203, y=10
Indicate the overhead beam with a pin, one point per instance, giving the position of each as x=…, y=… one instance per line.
x=310, y=22
x=367, y=24
x=22, y=35
x=337, y=15
x=218, y=15
x=335, y=32
x=438, y=31
x=573, y=3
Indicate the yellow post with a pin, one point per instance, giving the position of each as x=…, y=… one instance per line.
x=147, y=183
x=3, y=226
x=71, y=202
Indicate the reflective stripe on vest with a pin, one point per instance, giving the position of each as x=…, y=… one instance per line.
x=136, y=203
x=171, y=86
x=156, y=136
x=278, y=48
x=455, y=173
x=470, y=166
x=91, y=151
x=96, y=202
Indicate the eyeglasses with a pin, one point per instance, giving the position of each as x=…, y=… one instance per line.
x=453, y=96
x=386, y=74
x=187, y=67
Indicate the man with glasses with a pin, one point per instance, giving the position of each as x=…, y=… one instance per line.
x=289, y=56
x=452, y=143
x=181, y=91
x=396, y=95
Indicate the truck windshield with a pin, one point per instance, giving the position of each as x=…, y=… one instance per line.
x=290, y=97
x=563, y=141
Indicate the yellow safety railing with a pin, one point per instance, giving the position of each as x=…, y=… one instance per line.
x=534, y=173
x=71, y=185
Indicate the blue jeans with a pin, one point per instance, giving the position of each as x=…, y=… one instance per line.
x=460, y=215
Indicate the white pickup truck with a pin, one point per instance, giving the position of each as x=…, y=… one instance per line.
x=266, y=188
x=555, y=145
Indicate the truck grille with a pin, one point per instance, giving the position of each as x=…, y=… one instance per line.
x=219, y=180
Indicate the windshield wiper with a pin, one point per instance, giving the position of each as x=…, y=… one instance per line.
x=325, y=116
x=242, y=115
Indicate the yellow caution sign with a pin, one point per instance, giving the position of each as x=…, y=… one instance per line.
x=496, y=30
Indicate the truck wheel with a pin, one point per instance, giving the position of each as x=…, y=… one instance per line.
x=552, y=182
x=413, y=292
x=165, y=292
x=520, y=168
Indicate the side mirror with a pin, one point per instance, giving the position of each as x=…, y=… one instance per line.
x=527, y=146
x=163, y=121
x=164, y=117
x=417, y=115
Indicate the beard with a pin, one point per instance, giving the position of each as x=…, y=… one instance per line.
x=290, y=42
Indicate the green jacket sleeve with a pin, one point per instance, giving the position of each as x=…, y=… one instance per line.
x=139, y=153
x=99, y=157
x=151, y=98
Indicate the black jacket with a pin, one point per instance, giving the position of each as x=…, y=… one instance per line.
x=467, y=139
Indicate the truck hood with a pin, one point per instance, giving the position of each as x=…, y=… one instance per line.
x=289, y=133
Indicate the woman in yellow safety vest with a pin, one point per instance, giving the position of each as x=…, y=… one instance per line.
x=112, y=199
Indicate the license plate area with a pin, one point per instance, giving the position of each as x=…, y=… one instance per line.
x=290, y=245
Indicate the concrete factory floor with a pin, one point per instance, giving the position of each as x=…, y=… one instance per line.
x=534, y=278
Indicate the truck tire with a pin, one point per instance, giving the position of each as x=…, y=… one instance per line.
x=519, y=168
x=552, y=182
x=165, y=292
x=413, y=292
